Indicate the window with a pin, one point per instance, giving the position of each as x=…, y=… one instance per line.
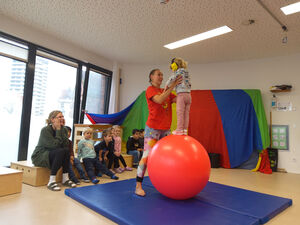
x=45, y=81
x=11, y=92
x=54, y=86
x=96, y=93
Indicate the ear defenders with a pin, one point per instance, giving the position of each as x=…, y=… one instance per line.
x=173, y=66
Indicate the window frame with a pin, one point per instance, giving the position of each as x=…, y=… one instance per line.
x=78, y=114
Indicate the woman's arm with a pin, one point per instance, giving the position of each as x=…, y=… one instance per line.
x=159, y=99
x=170, y=80
x=47, y=140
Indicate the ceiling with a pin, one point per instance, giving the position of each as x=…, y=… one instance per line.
x=134, y=31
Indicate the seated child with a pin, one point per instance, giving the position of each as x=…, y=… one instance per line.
x=87, y=153
x=117, y=141
x=105, y=149
x=75, y=161
x=133, y=147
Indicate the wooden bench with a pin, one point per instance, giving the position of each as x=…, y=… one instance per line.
x=97, y=136
x=10, y=180
x=97, y=132
x=39, y=176
x=33, y=175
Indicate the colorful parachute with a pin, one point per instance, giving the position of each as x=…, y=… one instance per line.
x=229, y=122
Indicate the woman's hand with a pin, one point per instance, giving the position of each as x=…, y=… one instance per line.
x=159, y=99
x=62, y=121
x=177, y=81
x=56, y=124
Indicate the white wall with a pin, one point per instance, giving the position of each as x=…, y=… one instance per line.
x=17, y=29
x=251, y=74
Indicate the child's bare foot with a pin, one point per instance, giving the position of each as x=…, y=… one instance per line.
x=139, y=190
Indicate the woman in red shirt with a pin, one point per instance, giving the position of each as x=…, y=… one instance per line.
x=159, y=120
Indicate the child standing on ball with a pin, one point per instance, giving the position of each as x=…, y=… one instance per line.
x=183, y=90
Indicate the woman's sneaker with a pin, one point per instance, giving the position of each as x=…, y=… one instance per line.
x=53, y=186
x=69, y=183
x=128, y=168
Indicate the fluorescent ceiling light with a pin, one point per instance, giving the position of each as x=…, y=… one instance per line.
x=290, y=9
x=199, y=37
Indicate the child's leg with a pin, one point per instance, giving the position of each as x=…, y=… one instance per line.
x=122, y=161
x=101, y=168
x=72, y=175
x=116, y=162
x=188, y=102
x=79, y=168
x=110, y=157
x=135, y=154
x=180, y=111
x=89, y=167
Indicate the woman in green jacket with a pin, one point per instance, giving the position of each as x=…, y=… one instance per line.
x=52, y=150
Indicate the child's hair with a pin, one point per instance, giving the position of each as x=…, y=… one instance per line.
x=151, y=73
x=179, y=62
x=142, y=130
x=134, y=131
x=115, y=127
x=52, y=115
x=106, y=132
x=87, y=129
x=68, y=128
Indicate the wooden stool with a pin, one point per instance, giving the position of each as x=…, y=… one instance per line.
x=33, y=175
x=10, y=180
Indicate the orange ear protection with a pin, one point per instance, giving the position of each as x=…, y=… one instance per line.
x=174, y=66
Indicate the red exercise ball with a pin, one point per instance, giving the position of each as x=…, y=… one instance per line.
x=178, y=166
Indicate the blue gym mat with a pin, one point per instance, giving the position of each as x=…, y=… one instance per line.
x=216, y=204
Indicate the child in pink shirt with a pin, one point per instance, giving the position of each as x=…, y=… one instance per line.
x=116, y=131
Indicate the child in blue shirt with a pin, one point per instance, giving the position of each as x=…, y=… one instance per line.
x=91, y=162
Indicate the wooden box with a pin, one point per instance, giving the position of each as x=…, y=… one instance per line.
x=10, y=181
x=33, y=175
